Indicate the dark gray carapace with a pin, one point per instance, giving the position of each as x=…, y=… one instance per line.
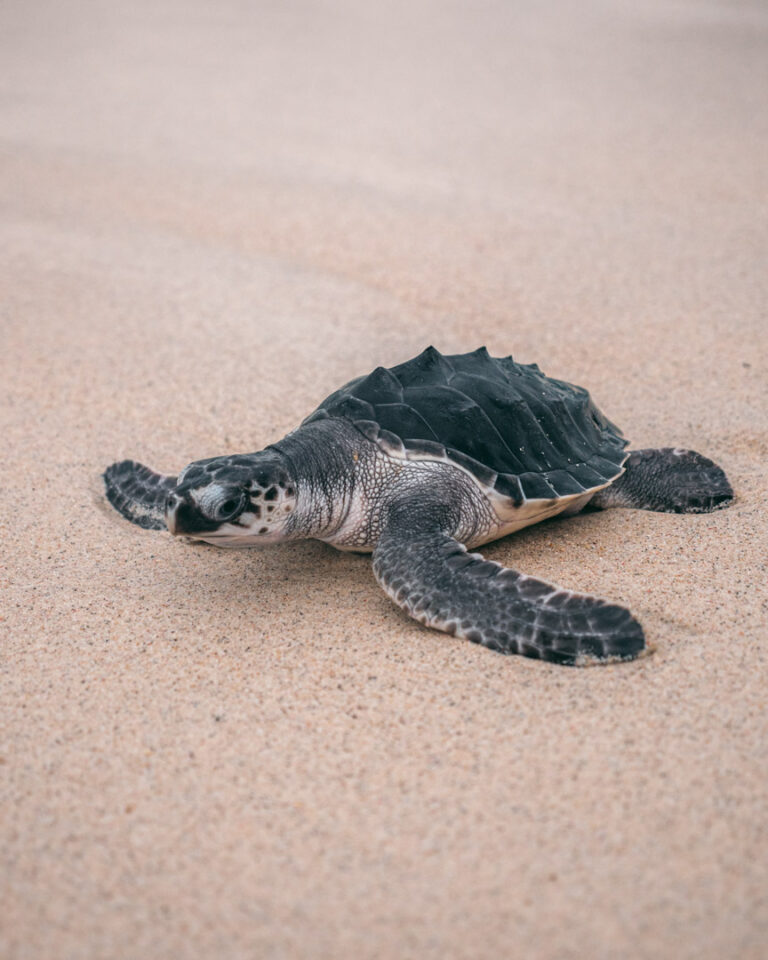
x=528, y=435
x=419, y=461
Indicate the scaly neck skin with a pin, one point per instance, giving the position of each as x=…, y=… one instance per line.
x=348, y=490
x=322, y=458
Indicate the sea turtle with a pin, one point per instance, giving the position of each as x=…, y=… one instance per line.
x=421, y=461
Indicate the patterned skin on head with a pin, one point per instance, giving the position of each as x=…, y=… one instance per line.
x=233, y=501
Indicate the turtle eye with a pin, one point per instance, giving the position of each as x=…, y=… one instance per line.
x=231, y=507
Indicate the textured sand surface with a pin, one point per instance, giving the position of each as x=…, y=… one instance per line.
x=212, y=215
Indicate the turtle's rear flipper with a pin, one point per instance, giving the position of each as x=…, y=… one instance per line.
x=138, y=493
x=433, y=578
x=669, y=480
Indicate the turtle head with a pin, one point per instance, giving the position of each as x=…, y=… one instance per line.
x=233, y=501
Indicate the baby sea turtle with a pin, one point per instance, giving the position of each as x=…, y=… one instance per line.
x=419, y=462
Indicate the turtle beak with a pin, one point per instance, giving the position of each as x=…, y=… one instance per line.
x=172, y=514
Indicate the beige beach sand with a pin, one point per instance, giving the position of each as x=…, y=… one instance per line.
x=214, y=214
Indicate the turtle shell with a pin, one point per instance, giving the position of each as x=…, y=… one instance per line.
x=519, y=432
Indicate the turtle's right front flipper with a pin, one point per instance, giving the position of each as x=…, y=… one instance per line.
x=433, y=578
x=138, y=493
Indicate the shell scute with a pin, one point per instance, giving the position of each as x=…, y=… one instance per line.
x=484, y=474
x=429, y=367
x=381, y=386
x=586, y=475
x=390, y=442
x=536, y=487
x=509, y=486
x=563, y=483
x=461, y=424
x=402, y=420
x=417, y=448
x=608, y=467
x=369, y=429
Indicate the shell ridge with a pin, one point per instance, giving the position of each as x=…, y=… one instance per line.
x=379, y=386
x=425, y=369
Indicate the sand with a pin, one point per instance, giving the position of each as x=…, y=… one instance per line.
x=213, y=215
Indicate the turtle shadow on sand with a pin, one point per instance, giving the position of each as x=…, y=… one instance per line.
x=421, y=463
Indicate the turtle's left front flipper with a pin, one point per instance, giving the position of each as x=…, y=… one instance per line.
x=433, y=578
x=138, y=493
x=668, y=480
